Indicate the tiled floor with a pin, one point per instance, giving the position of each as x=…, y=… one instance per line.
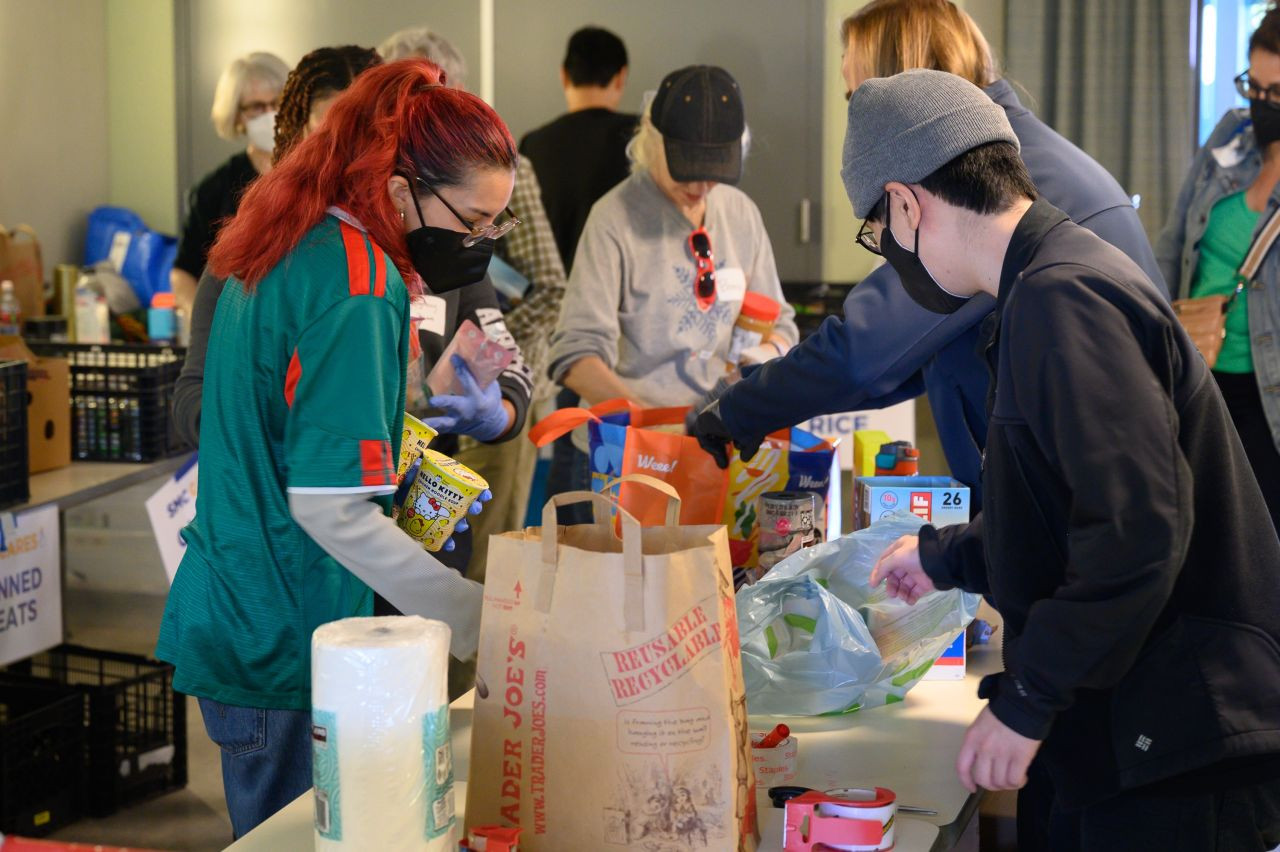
x=191, y=819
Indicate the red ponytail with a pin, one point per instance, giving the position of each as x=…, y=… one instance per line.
x=394, y=118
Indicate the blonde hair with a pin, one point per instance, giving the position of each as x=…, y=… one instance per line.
x=888, y=37
x=259, y=67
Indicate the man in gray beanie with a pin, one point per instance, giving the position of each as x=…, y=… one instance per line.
x=1123, y=536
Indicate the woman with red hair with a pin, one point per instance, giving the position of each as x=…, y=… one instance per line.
x=303, y=402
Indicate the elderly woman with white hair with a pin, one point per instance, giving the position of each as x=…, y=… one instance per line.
x=667, y=258
x=244, y=107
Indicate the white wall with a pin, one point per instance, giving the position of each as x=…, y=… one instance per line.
x=53, y=115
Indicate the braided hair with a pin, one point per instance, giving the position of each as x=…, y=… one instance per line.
x=320, y=73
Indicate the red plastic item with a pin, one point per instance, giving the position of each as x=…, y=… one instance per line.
x=805, y=830
x=489, y=838
x=771, y=739
x=10, y=843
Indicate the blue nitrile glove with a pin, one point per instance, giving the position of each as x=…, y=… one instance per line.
x=462, y=525
x=477, y=413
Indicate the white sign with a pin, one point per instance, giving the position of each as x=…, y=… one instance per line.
x=30, y=583
x=899, y=421
x=170, y=509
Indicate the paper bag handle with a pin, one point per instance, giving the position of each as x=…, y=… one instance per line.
x=632, y=559
x=666, y=488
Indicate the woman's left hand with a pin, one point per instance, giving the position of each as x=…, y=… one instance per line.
x=478, y=412
x=463, y=525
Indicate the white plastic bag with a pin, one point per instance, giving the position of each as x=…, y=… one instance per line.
x=817, y=639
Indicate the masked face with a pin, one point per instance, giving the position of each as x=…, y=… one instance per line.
x=1266, y=122
x=439, y=256
x=920, y=285
x=261, y=130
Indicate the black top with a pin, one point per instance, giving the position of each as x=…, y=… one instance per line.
x=214, y=199
x=1123, y=536
x=578, y=158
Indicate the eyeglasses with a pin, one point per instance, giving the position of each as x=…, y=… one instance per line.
x=1251, y=89
x=477, y=232
x=704, y=284
x=253, y=109
x=866, y=236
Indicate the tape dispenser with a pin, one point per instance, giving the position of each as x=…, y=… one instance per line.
x=858, y=820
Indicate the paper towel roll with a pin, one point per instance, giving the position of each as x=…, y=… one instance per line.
x=383, y=768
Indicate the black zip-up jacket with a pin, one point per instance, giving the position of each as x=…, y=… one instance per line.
x=1123, y=536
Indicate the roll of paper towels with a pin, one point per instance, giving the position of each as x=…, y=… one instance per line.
x=382, y=763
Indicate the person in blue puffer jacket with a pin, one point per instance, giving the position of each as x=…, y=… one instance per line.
x=887, y=348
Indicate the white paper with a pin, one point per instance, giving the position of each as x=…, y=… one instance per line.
x=170, y=510
x=731, y=284
x=380, y=735
x=429, y=311
x=30, y=583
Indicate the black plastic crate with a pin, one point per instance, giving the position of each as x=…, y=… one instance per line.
x=42, y=748
x=136, y=725
x=121, y=397
x=14, y=481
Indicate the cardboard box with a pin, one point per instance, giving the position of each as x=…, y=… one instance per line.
x=49, y=408
x=940, y=500
x=951, y=664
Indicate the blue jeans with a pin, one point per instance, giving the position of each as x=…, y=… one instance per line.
x=570, y=469
x=266, y=758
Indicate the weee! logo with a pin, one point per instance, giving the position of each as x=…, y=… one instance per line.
x=655, y=464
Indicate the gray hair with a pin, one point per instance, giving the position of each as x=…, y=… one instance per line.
x=645, y=146
x=422, y=42
x=258, y=67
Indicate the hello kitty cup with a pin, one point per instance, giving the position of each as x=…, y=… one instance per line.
x=440, y=496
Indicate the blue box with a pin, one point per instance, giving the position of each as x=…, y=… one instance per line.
x=939, y=500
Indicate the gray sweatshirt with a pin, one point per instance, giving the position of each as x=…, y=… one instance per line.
x=630, y=297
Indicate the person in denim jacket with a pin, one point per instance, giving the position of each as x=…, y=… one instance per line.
x=1227, y=197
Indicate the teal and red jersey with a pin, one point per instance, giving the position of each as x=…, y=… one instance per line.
x=303, y=393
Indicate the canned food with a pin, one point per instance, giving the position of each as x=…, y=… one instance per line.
x=439, y=497
x=413, y=442
x=786, y=525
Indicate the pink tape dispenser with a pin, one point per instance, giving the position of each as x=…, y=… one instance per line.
x=857, y=820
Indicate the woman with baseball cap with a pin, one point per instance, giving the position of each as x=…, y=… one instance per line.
x=667, y=257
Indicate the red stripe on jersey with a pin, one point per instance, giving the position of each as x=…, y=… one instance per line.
x=357, y=260
x=375, y=463
x=291, y=378
x=379, y=272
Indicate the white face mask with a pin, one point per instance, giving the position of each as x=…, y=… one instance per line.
x=261, y=131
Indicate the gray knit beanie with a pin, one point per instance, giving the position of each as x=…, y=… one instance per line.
x=906, y=127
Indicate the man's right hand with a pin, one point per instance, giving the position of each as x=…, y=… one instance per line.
x=712, y=435
x=899, y=567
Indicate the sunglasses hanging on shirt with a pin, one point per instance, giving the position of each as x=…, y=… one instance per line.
x=704, y=282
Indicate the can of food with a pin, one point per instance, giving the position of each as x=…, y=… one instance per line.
x=786, y=525
x=413, y=442
x=439, y=497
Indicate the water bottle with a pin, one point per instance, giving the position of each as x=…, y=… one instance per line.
x=10, y=311
x=93, y=320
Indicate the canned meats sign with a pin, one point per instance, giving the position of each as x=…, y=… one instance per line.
x=645, y=669
x=30, y=583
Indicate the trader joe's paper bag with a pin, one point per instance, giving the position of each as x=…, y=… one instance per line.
x=609, y=709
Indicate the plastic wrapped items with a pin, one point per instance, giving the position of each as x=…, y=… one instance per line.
x=817, y=639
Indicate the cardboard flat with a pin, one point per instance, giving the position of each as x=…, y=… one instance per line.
x=48, y=408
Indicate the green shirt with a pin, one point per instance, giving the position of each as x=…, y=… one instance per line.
x=1226, y=240
x=303, y=392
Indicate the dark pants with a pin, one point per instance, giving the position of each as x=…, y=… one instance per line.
x=266, y=758
x=570, y=469
x=1240, y=390
x=1244, y=819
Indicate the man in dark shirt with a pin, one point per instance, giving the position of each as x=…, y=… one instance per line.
x=583, y=154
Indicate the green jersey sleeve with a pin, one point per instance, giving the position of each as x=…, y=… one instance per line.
x=344, y=385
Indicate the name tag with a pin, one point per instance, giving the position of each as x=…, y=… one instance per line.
x=429, y=311
x=731, y=284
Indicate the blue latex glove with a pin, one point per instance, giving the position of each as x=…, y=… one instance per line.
x=462, y=525
x=477, y=413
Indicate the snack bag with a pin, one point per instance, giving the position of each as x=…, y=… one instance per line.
x=485, y=358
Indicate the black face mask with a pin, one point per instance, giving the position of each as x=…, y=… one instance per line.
x=443, y=261
x=1266, y=122
x=916, y=280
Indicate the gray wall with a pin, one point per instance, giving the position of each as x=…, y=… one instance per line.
x=776, y=57
x=53, y=104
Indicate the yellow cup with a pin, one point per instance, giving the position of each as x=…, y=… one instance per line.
x=412, y=443
x=439, y=497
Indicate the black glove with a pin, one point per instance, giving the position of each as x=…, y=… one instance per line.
x=713, y=437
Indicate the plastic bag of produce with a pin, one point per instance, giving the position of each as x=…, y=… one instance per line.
x=817, y=639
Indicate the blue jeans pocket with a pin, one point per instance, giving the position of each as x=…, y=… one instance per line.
x=235, y=730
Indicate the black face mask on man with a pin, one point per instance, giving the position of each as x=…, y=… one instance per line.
x=1266, y=122
x=920, y=285
x=439, y=256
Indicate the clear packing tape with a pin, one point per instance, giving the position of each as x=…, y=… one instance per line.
x=816, y=639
